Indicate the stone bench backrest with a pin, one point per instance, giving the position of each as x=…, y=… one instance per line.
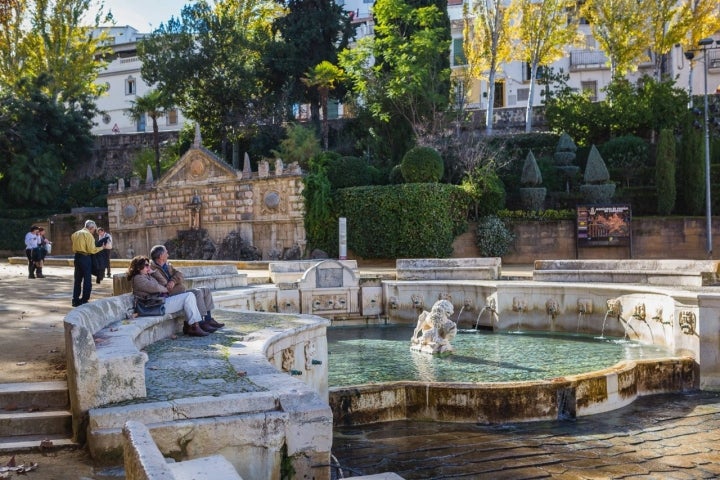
x=122, y=285
x=423, y=263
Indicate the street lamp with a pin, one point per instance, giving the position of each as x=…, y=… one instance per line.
x=705, y=45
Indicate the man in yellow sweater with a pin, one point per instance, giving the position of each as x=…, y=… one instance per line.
x=83, y=244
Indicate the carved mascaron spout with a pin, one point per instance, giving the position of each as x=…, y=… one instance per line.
x=435, y=330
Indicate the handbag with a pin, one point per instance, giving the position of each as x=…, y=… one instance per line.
x=150, y=307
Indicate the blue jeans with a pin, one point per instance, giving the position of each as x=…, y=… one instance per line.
x=83, y=279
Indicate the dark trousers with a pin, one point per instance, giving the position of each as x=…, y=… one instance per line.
x=31, y=264
x=82, y=286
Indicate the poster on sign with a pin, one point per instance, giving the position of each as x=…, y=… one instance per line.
x=603, y=225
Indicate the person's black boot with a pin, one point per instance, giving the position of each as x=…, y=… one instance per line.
x=39, y=273
x=31, y=271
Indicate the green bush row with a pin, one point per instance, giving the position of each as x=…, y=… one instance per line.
x=402, y=221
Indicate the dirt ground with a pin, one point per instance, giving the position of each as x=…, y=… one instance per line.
x=32, y=349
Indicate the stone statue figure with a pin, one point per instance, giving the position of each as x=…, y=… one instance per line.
x=194, y=209
x=435, y=330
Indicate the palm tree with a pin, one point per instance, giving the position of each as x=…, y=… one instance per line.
x=154, y=104
x=325, y=76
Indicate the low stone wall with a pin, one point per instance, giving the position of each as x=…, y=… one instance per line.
x=143, y=460
x=652, y=238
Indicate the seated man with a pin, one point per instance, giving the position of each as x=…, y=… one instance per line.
x=172, y=279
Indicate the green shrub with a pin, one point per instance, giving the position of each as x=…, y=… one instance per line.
x=627, y=155
x=402, y=221
x=300, y=145
x=344, y=172
x=395, y=177
x=485, y=191
x=422, y=165
x=494, y=238
x=665, y=172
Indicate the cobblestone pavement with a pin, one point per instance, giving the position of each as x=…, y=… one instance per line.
x=658, y=437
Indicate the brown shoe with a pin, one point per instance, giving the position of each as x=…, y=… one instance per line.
x=207, y=327
x=214, y=323
x=194, y=330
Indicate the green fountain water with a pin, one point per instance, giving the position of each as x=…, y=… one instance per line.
x=366, y=354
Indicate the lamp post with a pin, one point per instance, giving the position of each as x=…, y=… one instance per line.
x=705, y=45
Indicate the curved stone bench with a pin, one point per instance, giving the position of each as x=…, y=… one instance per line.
x=287, y=423
x=103, y=345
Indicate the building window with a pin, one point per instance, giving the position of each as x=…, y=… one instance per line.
x=527, y=71
x=458, y=53
x=523, y=94
x=172, y=116
x=590, y=88
x=130, y=86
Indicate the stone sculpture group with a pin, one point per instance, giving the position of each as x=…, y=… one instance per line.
x=434, y=330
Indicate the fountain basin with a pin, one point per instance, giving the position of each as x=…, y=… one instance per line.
x=492, y=377
x=559, y=398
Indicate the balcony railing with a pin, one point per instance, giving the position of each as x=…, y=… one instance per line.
x=587, y=59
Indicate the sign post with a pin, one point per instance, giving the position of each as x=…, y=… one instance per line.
x=342, y=227
x=604, y=226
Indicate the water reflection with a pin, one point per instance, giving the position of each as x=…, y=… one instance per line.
x=366, y=354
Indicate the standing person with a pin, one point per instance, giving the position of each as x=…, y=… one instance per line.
x=102, y=234
x=144, y=285
x=167, y=276
x=32, y=240
x=101, y=260
x=83, y=245
x=41, y=251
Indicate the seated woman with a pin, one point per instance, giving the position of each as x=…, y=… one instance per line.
x=144, y=286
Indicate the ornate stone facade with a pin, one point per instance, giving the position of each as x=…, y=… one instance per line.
x=201, y=191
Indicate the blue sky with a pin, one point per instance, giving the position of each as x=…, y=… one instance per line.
x=145, y=15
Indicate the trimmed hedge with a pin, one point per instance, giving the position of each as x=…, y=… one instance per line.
x=417, y=220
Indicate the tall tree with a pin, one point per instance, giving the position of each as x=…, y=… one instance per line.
x=324, y=76
x=487, y=45
x=409, y=80
x=153, y=104
x=39, y=139
x=311, y=31
x=52, y=38
x=669, y=22
x=210, y=63
x=706, y=21
x=542, y=30
x=619, y=26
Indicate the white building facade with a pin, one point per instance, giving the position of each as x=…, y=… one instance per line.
x=124, y=85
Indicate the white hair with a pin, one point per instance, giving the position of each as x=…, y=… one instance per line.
x=89, y=224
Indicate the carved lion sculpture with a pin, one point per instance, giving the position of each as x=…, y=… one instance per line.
x=435, y=328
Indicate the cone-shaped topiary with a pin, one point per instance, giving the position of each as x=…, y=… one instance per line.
x=597, y=188
x=596, y=173
x=531, y=175
x=565, y=150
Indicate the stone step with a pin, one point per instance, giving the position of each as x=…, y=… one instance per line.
x=34, y=443
x=33, y=396
x=50, y=422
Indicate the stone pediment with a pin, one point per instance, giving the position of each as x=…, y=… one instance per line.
x=197, y=165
